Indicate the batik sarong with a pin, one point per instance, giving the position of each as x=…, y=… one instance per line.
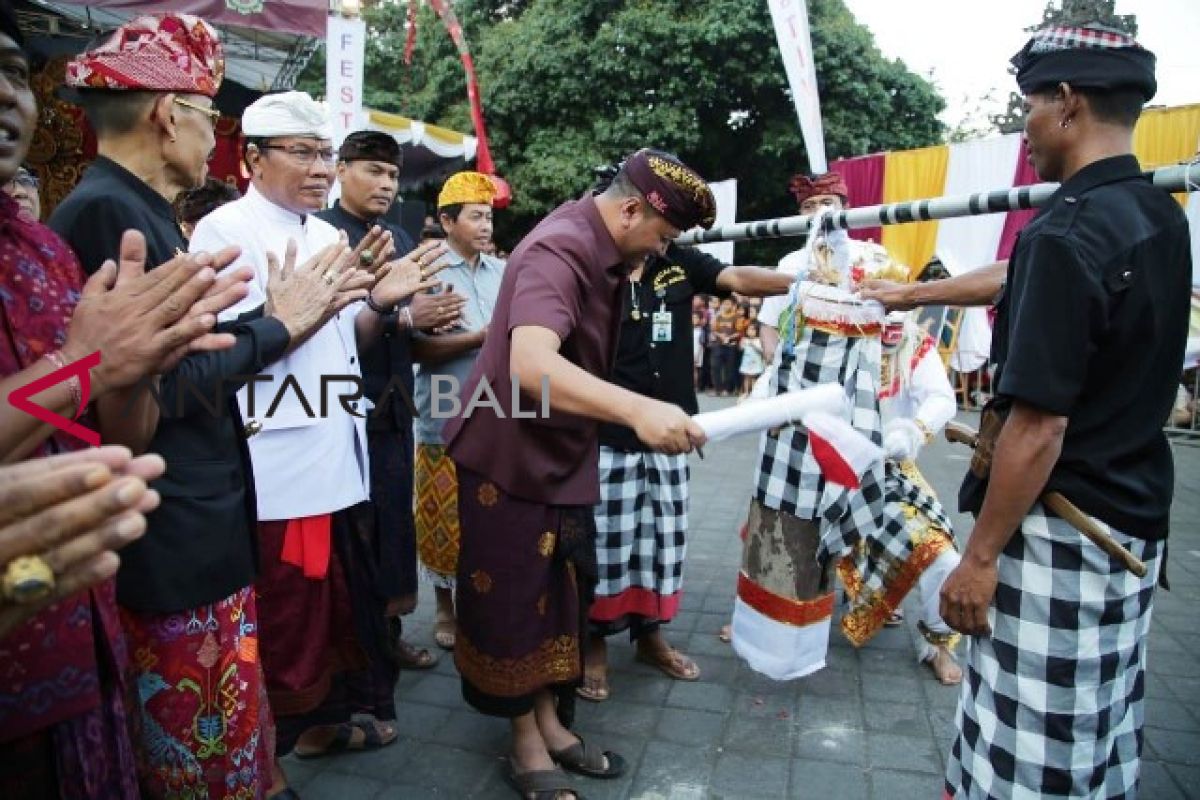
x=1052, y=701
x=202, y=722
x=641, y=522
x=438, y=534
x=887, y=564
x=525, y=578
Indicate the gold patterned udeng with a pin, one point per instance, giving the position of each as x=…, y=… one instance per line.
x=679, y=175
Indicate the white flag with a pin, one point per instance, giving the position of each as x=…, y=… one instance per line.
x=345, y=45
x=795, y=45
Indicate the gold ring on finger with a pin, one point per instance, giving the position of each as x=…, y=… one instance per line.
x=27, y=579
x=366, y=258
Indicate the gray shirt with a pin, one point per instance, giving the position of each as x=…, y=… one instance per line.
x=480, y=286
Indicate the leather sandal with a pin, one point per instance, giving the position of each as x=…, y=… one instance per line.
x=587, y=760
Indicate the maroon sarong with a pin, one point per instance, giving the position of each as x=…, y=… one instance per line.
x=525, y=576
x=325, y=640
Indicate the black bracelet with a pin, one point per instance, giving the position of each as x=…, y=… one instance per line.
x=378, y=309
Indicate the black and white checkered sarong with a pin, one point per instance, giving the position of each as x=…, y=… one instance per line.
x=1052, y=701
x=789, y=478
x=641, y=522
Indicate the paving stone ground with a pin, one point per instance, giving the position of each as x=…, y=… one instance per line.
x=872, y=724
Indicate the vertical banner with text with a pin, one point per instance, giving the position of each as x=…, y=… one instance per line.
x=795, y=45
x=345, y=48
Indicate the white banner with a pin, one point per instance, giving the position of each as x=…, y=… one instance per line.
x=795, y=45
x=725, y=193
x=345, y=46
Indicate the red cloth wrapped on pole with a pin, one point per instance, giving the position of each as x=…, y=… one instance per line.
x=483, y=155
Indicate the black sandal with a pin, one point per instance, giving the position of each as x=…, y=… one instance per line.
x=586, y=760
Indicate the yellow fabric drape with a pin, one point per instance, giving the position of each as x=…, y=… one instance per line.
x=1167, y=136
x=913, y=175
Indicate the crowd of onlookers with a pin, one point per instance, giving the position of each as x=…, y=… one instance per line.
x=726, y=345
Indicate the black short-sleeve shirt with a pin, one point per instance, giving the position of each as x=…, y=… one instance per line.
x=662, y=370
x=1092, y=326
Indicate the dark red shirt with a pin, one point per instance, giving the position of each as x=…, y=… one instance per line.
x=564, y=276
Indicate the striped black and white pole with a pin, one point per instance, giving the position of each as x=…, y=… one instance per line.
x=1179, y=178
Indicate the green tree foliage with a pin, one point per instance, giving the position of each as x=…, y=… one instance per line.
x=1069, y=12
x=569, y=85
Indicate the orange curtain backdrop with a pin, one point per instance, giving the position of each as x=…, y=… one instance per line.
x=1166, y=136
x=913, y=175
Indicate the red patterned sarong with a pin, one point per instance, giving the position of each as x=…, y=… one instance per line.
x=203, y=726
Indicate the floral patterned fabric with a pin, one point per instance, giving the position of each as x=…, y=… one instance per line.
x=202, y=718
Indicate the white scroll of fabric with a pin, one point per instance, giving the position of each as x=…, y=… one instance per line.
x=842, y=452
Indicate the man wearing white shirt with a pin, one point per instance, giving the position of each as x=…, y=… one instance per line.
x=307, y=439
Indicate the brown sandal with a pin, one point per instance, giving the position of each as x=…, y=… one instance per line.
x=595, y=688
x=544, y=784
x=676, y=665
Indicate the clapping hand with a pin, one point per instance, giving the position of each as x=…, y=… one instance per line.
x=68, y=515
x=410, y=274
x=144, y=322
x=305, y=297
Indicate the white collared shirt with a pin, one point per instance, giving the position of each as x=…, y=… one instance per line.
x=304, y=464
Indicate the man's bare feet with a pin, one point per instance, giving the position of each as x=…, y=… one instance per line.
x=595, y=671
x=945, y=667
x=725, y=634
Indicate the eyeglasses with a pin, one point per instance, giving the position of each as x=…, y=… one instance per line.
x=305, y=155
x=212, y=114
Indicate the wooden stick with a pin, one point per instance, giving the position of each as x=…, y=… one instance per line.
x=1064, y=508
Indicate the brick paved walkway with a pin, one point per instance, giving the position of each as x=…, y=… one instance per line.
x=873, y=724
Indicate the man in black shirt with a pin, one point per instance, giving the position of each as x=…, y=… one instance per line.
x=369, y=164
x=641, y=519
x=1089, y=338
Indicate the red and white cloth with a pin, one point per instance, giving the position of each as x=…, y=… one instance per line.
x=170, y=53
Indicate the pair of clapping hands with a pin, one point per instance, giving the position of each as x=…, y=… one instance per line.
x=303, y=297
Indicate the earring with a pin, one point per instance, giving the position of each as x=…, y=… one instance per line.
x=1065, y=123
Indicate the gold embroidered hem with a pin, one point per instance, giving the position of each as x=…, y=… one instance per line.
x=436, y=517
x=870, y=610
x=555, y=660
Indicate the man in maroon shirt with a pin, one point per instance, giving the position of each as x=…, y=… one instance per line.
x=525, y=445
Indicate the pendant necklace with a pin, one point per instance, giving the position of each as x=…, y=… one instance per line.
x=636, y=313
